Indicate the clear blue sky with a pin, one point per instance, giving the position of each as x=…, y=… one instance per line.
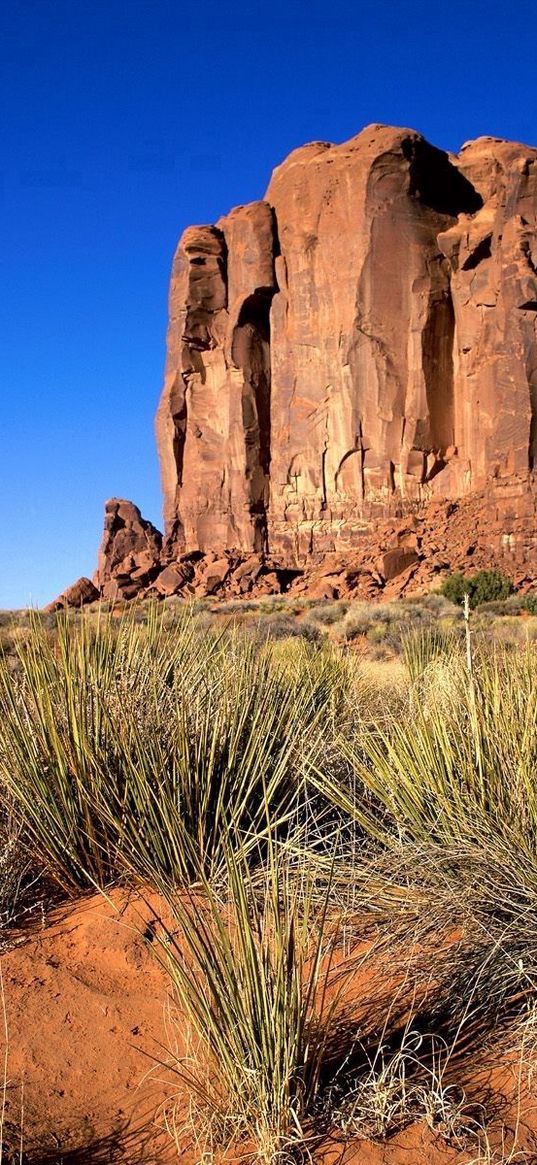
x=123, y=121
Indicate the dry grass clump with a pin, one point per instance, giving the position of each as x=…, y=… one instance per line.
x=401, y=1085
x=457, y=764
x=254, y=975
x=24, y=891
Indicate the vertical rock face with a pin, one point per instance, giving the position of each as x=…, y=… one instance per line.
x=493, y=274
x=361, y=342
x=362, y=332
x=213, y=422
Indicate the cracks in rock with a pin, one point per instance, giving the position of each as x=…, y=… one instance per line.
x=324, y=496
x=292, y=398
x=359, y=449
x=528, y=255
x=437, y=361
x=178, y=413
x=207, y=259
x=250, y=352
x=324, y=452
x=478, y=254
x=531, y=371
x=532, y=443
x=378, y=343
x=310, y=243
x=276, y=247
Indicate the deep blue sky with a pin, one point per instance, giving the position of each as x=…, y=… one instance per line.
x=123, y=121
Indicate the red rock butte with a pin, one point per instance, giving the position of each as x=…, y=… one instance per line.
x=352, y=362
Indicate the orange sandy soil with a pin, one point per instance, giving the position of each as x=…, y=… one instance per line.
x=85, y=1002
x=86, y=1010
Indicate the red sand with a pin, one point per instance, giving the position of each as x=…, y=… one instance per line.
x=85, y=999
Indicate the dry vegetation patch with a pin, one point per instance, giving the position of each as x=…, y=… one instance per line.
x=343, y=852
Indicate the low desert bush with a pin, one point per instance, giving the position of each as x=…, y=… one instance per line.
x=529, y=603
x=512, y=605
x=329, y=612
x=385, y=624
x=485, y=586
x=286, y=626
x=436, y=603
x=507, y=631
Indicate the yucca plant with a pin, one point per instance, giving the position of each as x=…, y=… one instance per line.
x=60, y=755
x=459, y=763
x=445, y=791
x=228, y=749
x=424, y=646
x=130, y=744
x=251, y=977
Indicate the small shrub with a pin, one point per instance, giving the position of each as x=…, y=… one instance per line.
x=385, y=624
x=511, y=606
x=288, y=627
x=377, y=632
x=509, y=631
x=485, y=586
x=454, y=587
x=489, y=586
x=529, y=603
x=435, y=603
x=327, y=612
x=358, y=620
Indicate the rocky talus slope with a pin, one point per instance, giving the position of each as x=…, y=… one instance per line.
x=350, y=396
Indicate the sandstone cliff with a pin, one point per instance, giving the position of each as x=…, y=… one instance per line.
x=358, y=343
x=358, y=348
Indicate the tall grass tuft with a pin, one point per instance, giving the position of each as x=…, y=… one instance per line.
x=251, y=976
x=425, y=645
x=457, y=764
x=229, y=748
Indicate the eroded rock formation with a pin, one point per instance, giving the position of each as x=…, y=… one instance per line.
x=359, y=343
x=358, y=347
x=130, y=552
x=79, y=594
x=214, y=418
